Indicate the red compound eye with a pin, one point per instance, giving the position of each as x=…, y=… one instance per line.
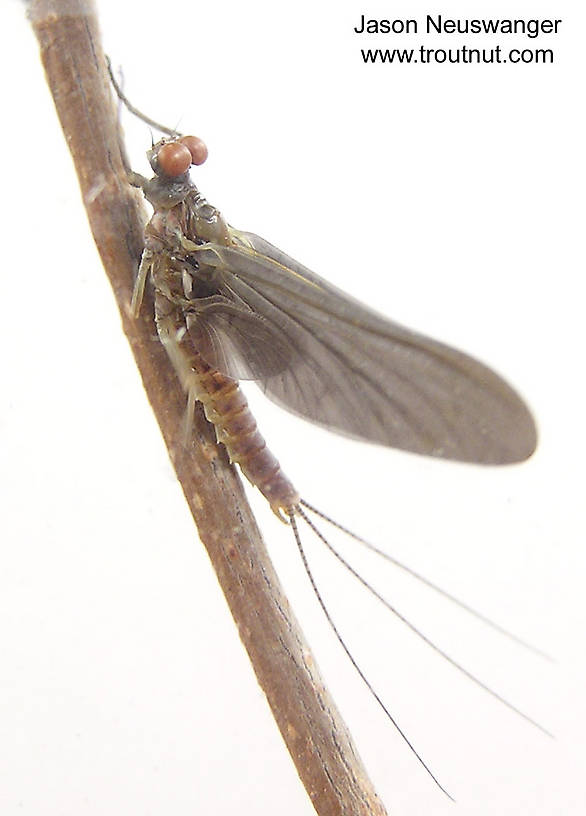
x=196, y=147
x=174, y=159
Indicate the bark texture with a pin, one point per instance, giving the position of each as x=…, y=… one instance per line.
x=315, y=734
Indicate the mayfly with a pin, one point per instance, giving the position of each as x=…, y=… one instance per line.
x=230, y=306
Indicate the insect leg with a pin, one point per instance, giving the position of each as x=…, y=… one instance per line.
x=146, y=263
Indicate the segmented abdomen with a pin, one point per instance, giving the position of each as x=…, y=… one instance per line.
x=227, y=408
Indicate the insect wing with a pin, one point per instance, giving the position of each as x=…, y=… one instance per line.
x=358, y=373
x=235, y=340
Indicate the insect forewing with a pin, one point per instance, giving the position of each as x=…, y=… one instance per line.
x=340, y=364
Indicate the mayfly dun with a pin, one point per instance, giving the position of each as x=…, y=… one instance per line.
x=230, y=306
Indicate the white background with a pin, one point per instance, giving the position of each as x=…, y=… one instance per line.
x=450, y=197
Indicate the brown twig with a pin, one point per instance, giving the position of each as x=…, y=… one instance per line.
x=312, y=728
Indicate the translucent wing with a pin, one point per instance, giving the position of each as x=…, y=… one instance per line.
x=342, y=365
x=235, y=340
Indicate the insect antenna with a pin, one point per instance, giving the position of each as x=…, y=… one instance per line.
x=407, y=623
x=129, y=106
x=346, y=649
x=422, y=579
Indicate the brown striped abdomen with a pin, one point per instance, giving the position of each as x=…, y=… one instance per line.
x=227, y=408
